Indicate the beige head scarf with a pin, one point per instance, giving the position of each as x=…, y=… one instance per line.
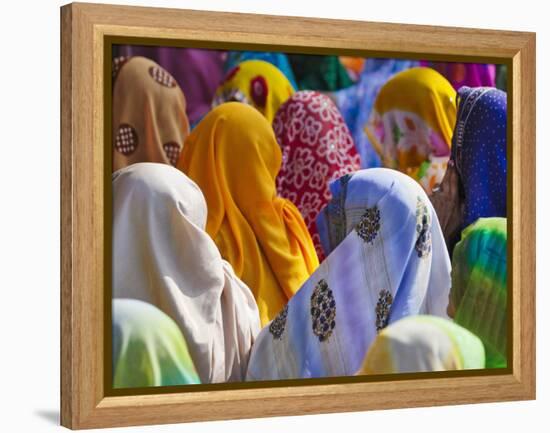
x=163, y=256
x=149, y=120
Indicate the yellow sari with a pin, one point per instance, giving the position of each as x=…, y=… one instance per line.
x=257, y=83
x=233, y=156
x=412, y=124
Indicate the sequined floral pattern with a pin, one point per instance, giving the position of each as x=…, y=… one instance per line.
x=423, y=245
x=317, y=149
x=277, y=326
x=229, y=95
x=369, y=225
x=385, y=300
x=323, y=311
x=126, y=140
x=161, y=76
x=172, y=151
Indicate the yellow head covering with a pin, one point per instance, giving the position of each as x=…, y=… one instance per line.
x=412, y=124
x=149, y=120
x=233, y=156
x=423, y=343
x=257, y=83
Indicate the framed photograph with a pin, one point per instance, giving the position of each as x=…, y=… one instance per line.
x=266, y=216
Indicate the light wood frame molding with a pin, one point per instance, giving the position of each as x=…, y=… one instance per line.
x=84, y=28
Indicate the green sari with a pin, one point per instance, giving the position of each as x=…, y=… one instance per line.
x=479, y=289
x=321, y=73
x=148, y=348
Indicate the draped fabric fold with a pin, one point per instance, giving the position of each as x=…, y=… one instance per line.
x=479, y=286
x=257, y=83
x=465, y=74
x=423, y=343
x=149, y=120
x=148, y=348
x=234, y=158
x=163, y=256
x=197, y=71
x=279, y=60
x=391, y=262
x=479, y=152
x=317, y=148
x=356, y=102
x=412, y=124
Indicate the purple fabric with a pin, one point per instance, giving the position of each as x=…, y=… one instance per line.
x=465, y=74
x=198, y=72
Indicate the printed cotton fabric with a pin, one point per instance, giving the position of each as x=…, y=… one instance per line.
x=234, y=158
x=148, y=348
x=279, y=60
x=356, y=102
x=479, y=289
x=317, y=148
x=197, y=71
x=479, y=152
x=412, y=124
x=391, y=263
x=149, y=120
x=256, y=83
x=465, y=74
x=322, y=73
x=163, y=256
x=421, y=344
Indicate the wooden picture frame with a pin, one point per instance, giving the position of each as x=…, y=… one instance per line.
x=85, y=31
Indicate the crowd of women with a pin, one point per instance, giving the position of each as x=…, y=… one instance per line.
x=285, y=216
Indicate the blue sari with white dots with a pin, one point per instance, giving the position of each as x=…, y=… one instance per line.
x=479, y=152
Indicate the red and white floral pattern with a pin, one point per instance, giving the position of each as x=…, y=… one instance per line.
x=317, y=148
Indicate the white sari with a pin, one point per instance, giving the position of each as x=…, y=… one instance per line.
x=163, y=256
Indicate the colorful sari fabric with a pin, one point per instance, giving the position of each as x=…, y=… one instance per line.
x=354, y=66
x=149, y=121
x=391, y=263
x=479, y=152
x=356, y=102
x=256, y=83
x=279, y=60
x=423, y=343
x=479, y=286
x=465, y=74
x=322, y=73
x=148, y=348
x=163, y=256
x=198, y=72
x=412, y=124
x=234, y=158
x=317, y=148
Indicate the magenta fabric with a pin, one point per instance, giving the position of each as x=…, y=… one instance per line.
x=198, y=72
x=465, y=74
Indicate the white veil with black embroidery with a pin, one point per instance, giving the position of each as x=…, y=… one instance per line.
x=387, y=260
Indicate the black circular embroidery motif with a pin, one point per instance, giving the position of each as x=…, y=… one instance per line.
x=172, y=151
x=385, y=299
x=161, y=76
x=423, y=245
x=126, y=140
x=369, y=225
x=277, y=326
x=323, y=311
